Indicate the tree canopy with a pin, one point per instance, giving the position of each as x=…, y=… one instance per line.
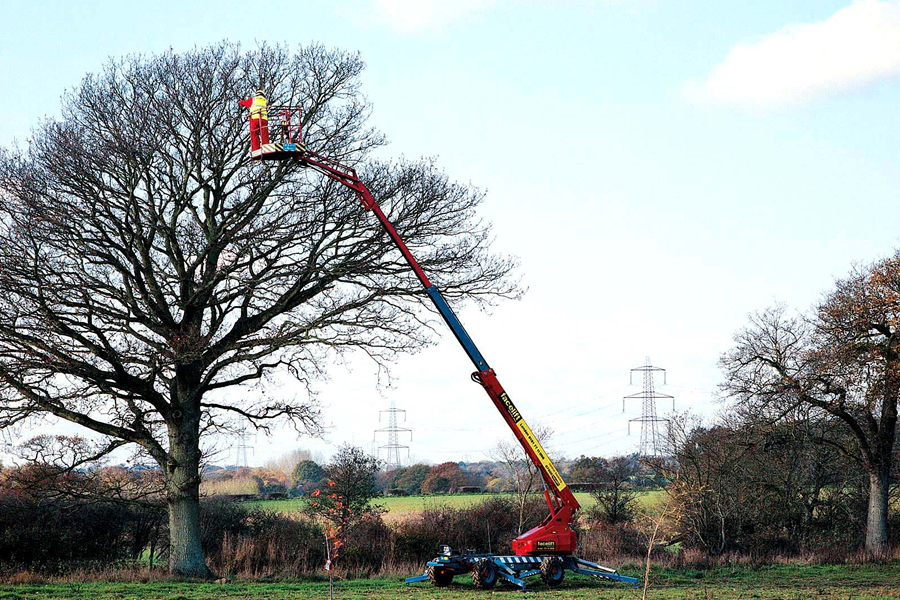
x=147, y=267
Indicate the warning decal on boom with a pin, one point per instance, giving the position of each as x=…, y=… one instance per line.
x=532, y=441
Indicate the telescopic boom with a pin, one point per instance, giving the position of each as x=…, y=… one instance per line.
x=555, y=534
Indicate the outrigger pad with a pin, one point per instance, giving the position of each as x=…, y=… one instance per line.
x=278, y=151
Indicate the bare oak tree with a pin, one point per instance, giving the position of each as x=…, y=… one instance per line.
x=148, y=269
x=844, y=361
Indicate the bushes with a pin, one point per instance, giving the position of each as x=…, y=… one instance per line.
x=263, y=543
x=747, y=486
x=46, y=536
x=53, y=535
x=603, y=541
x=266, y=544
x=50, y=537
x=367, y=546
x=221, y=517
x=486, y=527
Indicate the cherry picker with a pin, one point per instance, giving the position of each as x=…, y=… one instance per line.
x=548, y=549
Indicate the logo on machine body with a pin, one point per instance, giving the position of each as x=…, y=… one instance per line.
x=545, y=545
x=510, y=407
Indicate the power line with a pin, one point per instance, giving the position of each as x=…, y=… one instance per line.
x=597, y=436
x=580, y=426
x=569, y=411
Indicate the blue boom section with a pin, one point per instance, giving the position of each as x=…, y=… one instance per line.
x=456, y=327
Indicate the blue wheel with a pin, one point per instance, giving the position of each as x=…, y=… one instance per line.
x=552, y=571
x=484, y=574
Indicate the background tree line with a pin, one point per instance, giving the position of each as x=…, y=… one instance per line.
x=96, y=518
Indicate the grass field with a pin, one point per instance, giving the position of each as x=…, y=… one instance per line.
x=404, y=505
x=781, y=582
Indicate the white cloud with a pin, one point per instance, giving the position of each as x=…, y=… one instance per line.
x=417, y=15
x=414, y=16
x=855, y=46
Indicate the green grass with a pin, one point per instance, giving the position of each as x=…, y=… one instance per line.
x=781, y=582
x=404, y=505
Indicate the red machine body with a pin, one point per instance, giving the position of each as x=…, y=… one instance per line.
x=555, y=534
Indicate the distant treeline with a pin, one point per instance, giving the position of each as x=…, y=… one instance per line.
x=307, y=475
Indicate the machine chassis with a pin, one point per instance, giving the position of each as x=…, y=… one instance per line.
x=512, y=568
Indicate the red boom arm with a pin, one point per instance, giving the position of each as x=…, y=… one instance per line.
x=555, y=534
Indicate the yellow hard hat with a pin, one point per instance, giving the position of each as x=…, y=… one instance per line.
x=260, y=93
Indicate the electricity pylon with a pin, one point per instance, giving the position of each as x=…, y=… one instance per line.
x=393, y=447
x=652, y=444
x=242, y=446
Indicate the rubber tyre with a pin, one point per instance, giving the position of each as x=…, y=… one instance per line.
x=552, y=571
x=439, y=577
x=484, y=574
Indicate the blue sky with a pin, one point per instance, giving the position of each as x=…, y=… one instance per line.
x=661, y=168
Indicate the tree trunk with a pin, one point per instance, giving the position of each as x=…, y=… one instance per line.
x=877, y=516
x=183, y=483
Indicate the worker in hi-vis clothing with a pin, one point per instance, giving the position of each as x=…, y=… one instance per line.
x=259, y=119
